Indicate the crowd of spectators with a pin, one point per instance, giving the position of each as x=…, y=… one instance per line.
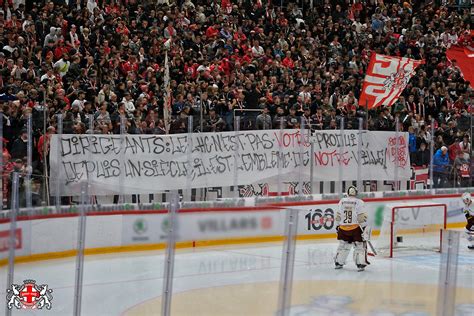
x=270, y=63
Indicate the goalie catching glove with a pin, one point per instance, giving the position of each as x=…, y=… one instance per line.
x=362, y=219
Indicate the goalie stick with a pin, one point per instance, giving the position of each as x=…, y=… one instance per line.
x=369, y=233
x=371, y=248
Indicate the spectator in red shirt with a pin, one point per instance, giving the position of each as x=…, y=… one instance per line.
x=212, y=31
x=225, y=66
x=60, y=50
x=288, y=61
x=44, y=142
x=454, y=149
x=240, y=35
x=122, y=29
x=465, y=39
x=190, y=68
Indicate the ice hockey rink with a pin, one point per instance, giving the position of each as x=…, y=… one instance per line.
x=243, y=280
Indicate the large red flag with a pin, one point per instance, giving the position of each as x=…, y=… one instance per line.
x=386, y=78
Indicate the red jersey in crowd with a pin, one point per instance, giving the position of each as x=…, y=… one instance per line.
x=288, y=62
x=191, y=69
x=225, y=66
x=211, y=32
x=453, y=151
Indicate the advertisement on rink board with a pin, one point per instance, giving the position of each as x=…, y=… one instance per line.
x=34, y=236
x=146, y=229
x=4, y=239
x=22, y=239
x=217, y=225
x=312, y=220
x=155, y=163
x=319, y=219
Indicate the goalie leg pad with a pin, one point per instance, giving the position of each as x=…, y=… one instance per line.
x=470, y=237
x=342, y=252
x=360, y=253
x=470, y=223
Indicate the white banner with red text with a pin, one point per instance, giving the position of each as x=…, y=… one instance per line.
x=139, y=164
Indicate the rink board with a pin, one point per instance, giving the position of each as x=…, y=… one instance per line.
x=122, y=231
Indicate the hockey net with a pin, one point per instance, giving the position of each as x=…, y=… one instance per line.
x=410, y=226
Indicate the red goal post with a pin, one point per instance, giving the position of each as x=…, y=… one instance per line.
x=421, y=223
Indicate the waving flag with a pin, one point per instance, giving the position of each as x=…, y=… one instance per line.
x=386, y=78
x=469, y=51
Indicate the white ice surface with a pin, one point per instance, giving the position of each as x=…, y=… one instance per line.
x=115, y=283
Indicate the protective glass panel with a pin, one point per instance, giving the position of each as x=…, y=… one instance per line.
x=403, y=285
x=227, y=261
x=4, y=255
x=43, y=278
x=464, y=298
x=123, y=266
x=312, y=291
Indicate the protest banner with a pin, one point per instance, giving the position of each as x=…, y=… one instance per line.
x=378, y=155
x=155, y=163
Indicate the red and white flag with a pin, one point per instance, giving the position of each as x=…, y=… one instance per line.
x=386, y=78
x=469, y=51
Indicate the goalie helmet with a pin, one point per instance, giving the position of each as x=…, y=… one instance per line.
x=466, y=198
x=352, y=191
